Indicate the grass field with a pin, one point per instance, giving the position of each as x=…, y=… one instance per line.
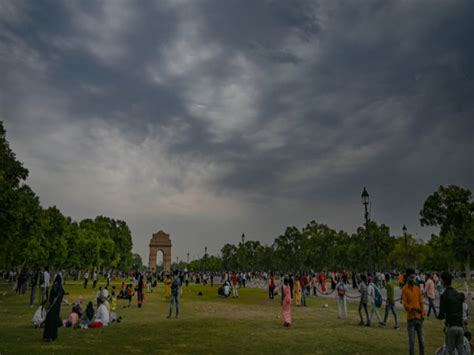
x=208, y=324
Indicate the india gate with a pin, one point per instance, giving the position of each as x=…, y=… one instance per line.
x=160, y=241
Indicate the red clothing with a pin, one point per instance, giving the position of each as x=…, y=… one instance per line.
x=234, y=279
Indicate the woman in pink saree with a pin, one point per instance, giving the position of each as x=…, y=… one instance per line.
x=286, y=303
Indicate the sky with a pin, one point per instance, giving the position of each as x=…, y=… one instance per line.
x=209, y=119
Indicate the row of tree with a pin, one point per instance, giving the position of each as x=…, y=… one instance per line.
x=33, y=236
x=319, y=247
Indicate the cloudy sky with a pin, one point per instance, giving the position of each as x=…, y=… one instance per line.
x=211, y=118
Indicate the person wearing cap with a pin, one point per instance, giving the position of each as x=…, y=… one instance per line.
x=413, y=304
x=451, y=310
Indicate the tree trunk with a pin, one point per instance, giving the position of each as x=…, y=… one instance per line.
x=467, y=267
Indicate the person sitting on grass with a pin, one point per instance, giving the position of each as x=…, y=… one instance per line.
x=40, y=316
x=78, y=306
x=98, y=295
x=226, y=288
x=72, y=320
x=105, y=292
x=88, y=315
x=102, y=315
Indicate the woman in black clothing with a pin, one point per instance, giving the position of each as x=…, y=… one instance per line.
x=54, y=309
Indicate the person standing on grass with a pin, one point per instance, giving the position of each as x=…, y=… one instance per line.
x=286, y=302
x=413, y=304
x=235, y=292
x=341, y=290
x=314, y=285
x=430, y=294
x=271, y=286
x=45, y=284
x=129, y=294
x=34, y=284
x=363, y=300
x=94, y=284
x=167, y=284
x=372, y=289
x=390, y=303
x=86, y=278
x=451, y=310
x=322, y=280
x=53, y=311
x=292, y=285
x=174, y=295
x=304, y=289
x=354, y=280
x=140, y=292
x=297, y=294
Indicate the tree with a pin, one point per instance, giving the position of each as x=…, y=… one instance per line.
x=452, y=209
x=11, y=170
x=229, y=257
x=20, y=222
x=290, y=250
x=54, y=227
x=137, y=263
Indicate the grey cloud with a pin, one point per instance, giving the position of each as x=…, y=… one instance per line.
x=212, y=118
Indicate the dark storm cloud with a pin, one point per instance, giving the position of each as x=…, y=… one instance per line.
x=207, y=118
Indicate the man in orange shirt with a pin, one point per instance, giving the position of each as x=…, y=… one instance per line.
x=413, y=303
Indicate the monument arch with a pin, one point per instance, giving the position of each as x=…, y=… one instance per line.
x=160, y=242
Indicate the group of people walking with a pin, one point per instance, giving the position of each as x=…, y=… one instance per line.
x=451, y=308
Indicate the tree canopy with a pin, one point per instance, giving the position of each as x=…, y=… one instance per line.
x=35, y=236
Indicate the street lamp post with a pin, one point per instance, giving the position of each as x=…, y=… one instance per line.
x=187, y=258
x=243, y=252
x=205, y=251
x=404, y=229
x=365, y=201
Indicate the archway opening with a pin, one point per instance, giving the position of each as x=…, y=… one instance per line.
x=159, y=260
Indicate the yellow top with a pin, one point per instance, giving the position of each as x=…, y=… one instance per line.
x=167, y=283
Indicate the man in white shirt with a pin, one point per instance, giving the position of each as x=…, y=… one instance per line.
x=102, y=315
x=373, y=307
x=86, y=278
x=105, y=293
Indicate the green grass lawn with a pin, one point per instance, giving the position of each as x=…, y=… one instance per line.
x=208, y=324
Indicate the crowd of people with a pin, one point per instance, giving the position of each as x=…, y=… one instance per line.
x=418, y=292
